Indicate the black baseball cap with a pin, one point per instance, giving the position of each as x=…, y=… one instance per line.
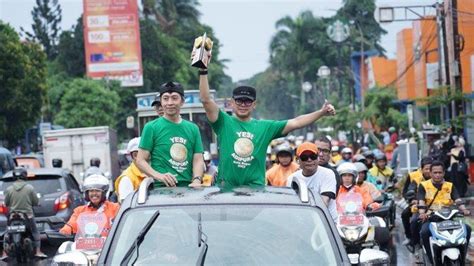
x=171, y=87
x=242, y=92
x=156, y=101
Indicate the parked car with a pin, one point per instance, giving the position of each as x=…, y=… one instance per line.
x=6, y=161
x=243, y=226
x=29, y=160
x=58, y=193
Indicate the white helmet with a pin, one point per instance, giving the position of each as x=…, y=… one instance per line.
x=96, y=182
x=347, y=168
x=346, y=150
x=207, y=156
x=133, y=145
x=334, y=148
x=361, y=167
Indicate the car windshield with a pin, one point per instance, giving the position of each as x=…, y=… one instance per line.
x=236, y=235
x=44, y=185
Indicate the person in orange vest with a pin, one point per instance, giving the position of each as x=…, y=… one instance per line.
x=349, y=175
x=432, y=195
x=130, y=179
x=365, y=185
x=277, y=175
x=95, y=191
x=412, y=182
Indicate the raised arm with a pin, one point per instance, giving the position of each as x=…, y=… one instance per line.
x=212, y=109
x=307, y=119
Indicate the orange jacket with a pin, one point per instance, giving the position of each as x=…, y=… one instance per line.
x=110, y=210
x=277, y=176
x=366, y=198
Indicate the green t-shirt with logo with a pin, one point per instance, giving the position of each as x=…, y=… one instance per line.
x=172, y=146
x=242, y=148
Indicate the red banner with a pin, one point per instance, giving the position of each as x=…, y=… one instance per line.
x=112, y=41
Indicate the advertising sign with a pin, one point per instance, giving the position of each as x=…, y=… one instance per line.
x=112, y=41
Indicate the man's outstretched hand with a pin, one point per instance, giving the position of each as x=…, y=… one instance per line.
x=328, y=109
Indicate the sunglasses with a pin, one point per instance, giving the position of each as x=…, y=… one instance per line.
x=305, y=157
x=243, y=102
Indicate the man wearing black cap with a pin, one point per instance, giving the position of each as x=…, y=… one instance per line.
x=171, y=144
x=156, y=104
x=243, y=141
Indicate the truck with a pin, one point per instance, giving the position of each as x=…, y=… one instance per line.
x=76, y=146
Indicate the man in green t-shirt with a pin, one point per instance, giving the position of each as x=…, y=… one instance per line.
x=171, y=144
x=242, y=140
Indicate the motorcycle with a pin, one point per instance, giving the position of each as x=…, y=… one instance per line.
x=87, y=244
x=388, y=203
x=359, y=233
x=18, y=240
x=448, y=239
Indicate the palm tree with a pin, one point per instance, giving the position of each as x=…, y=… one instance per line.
x=167, y=12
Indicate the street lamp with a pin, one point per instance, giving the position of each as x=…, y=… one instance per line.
x=324, y=72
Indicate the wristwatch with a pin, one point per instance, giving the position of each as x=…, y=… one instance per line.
x=198, y=178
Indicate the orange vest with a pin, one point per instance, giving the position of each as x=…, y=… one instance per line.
x=278, y=175
x=443, y=198
x=110, y=210
x=366, y=198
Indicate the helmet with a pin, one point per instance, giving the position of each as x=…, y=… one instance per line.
x=20, y=173
x=132, y=145
x=335, y=148
x=380, y=157
x=347, y=168
x=391, y=129
x=95, y=162
x=96, y=182
x=93, y=171
x=361, y=167
x=364, y=149
x=359, y=158
x=284, y=148
x=368, y=154
x=207, y=156
x=346, y=150
x=57, y=163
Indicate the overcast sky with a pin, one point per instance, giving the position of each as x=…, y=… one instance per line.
x=244, y=27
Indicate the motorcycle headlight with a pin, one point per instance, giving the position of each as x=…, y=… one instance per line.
x=351, y=234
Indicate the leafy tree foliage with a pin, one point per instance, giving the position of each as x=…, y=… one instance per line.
x=87, y=103
x=46, y=19
x=22, y=84
x=71, y=53
x=380, y=110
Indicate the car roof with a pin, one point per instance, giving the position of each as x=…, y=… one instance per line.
x=144, y=197
x=42, y=171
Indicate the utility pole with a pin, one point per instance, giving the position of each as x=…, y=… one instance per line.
x=453, y=58
x=441, y=54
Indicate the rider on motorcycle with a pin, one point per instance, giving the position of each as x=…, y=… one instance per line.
x=409, y=193
x=95, y=190
x=130, y=179
x=432, y=195
x=366, y=185
x=349, y=175
x=21, y=197
x=277, y=175
x=381, y=171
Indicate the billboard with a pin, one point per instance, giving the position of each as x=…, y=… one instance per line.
x=112, y=41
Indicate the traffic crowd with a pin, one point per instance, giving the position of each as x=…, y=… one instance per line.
x=256, y=152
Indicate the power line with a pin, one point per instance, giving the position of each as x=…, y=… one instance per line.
x=413, y=59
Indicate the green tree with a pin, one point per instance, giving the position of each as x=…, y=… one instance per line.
x=46, y=19
x=22, y=84
x=168, y=13
x=71, y=53
x=88, y=103
x=380, y=110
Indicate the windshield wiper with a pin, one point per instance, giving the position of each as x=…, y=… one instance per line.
x=136, y=244
x=202, y=238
